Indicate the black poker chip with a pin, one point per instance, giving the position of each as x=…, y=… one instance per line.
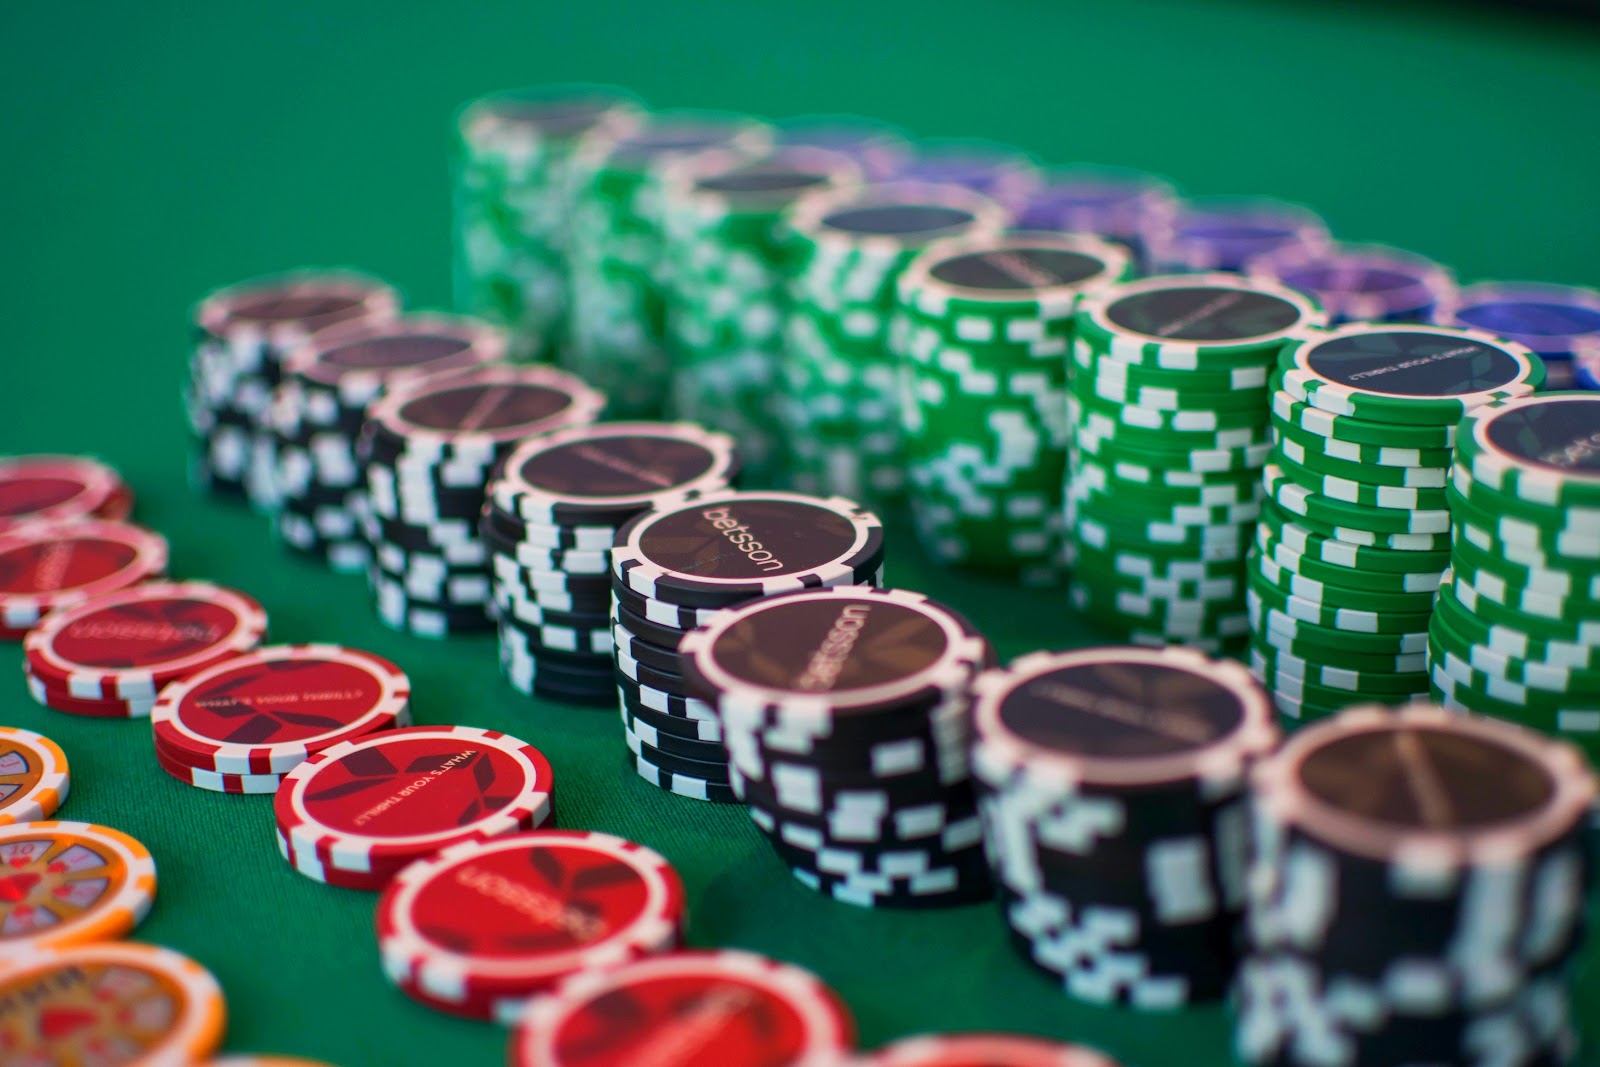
x=675, y=744
x=646, y=652
x=704, y=770
x=654, y=632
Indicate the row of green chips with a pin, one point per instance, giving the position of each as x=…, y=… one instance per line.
x=1356, y=535
x=1516, y=629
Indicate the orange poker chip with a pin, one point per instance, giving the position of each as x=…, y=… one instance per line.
x=69, y=883
x=119, y=1003
x=34, y=778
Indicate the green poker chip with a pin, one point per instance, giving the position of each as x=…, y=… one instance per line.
x=1187, y=420
x=1338, y=656
x=1249, y=378
x=1093, y=495
x=1312, y=420
x=1092, y=416
x=1173, y=619
x=1266, y=611
x=1302, y=692
x=1096, y=442
x=1476, y=601
x=1129, y=562
x=1016, y=282
x=1579, y=586
x=1519, y=538
x=1375, y=474
x=1239, y=484
x=1355, y=491
x=1509, y=641
x=1572, y=712
x=1319, y=545
x=1365, y=455
x=1542, y=449
x=1377, y=581
x=1325, y=511
x=1302, y=680
x=1196, y=322
x=1405, y=373
x=1552, y=521
x=1330, y=596
x=1175, y=401
x=1334, y=616
x=1491, y=583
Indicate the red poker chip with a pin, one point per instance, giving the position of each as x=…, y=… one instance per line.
x=460, y=927
x=372, y=805
x=729, y=1008
x=59, y=489
x=45, y=567
x=130, y=643
x=59, y=700
x=317, y=871
x=265, y=711
x=984, y=1050
x=214, y=781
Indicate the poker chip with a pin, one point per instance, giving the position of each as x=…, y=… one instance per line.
x=263, y=1061
x=617, y=245
x=845, y=694
x=1559, y=322
x=69, y=883
x=319, y=408
x=981, y=1050
x=125, y=1003
x=1361, y=282
x=430, y=450
x=727, y=259
x=367, y=807
x=839, y=394
x=45, y=567
x=458, y=929
x=1516, y=628
x=1163, y=463
x=125, y=646
x=34, y=777
x=246, y=332
x=983, y=330
x=1225, y=233
x=59, y=699
x=1121, y=205
x=745, y=1010
x=262, y=713
x=1111, y=782
x=514, y=197
x=46, y=488
x=1378, y=853
x=1003, y=173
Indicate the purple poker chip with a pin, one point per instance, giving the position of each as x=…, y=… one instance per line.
x=1108, y=201
x=1225, y=233
x=1559, y=322
x=1000, y=172
x=878, y=148
x=1361, y=283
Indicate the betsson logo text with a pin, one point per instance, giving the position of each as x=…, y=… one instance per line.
x=739, y=534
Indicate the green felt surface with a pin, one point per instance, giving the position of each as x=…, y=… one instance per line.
x=151, y=151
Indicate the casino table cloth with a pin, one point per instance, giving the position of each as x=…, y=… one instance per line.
x=155, y=151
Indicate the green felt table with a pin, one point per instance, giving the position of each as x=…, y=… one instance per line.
x=152, y=151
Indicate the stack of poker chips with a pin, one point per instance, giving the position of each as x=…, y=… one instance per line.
x=1001, y=173
x=983, y=332
x=457, y=932
x=319, y=409
x=1361, y=282
x=844, y=716
x=429, y=449
x=1125, y=206
x=840, y=390
x=549, y=521
x=513, y=204
x=877, y=147
x=245, y=333
x=728, y=266
x=1167, y=404
x=53, y=565
x=1356, y=530
x=46, y=488
x=1112, y=784
x=616, y=253
x=359, y=812
x=110, y=656
x=1515, y=632
x=674, y=568
x=1559, y=322
x=1401, y=912
x=1212, y=233
x=240, y=725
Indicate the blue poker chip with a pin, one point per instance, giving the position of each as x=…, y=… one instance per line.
x=1362, y=282
x=1226, y=232
x=1559, y=322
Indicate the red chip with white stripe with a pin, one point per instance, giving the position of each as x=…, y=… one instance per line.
x=129, y=644
x=48, y=566
x=58, y=489
x=983, y=1050
x=265, y=711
